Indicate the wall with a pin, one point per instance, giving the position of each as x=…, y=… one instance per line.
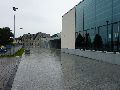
x=109, y=57
x=68, y=30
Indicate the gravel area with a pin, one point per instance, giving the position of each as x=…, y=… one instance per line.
x=8, y=68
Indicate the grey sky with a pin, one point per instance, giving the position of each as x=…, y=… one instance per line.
x=35, y=15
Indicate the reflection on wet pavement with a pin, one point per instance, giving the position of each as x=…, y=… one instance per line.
x=46, y=69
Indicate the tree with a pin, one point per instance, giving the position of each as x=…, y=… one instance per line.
x=6, y=36
x=55, y=35
x=98, y=43
x=79, y=41
x=87, y=41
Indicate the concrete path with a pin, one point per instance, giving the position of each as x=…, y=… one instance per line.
x=39, y=71
x=52, y=70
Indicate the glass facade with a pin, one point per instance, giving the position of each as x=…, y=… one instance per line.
x=99, y=17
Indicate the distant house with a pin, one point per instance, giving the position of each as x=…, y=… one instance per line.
x=18, y=40
x=42, y=40
x=35, y=40
x=28, y=40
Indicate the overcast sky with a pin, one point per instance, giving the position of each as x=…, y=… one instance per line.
x=35, y=15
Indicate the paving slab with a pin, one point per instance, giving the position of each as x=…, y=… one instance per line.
x=46, y=69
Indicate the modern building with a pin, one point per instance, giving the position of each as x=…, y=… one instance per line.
x=93, y=17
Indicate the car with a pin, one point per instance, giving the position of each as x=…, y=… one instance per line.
x=3, y=49
x=27, y=51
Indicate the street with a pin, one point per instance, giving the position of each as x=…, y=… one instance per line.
x=46, y=69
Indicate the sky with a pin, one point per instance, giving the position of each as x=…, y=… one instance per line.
x=35, y=15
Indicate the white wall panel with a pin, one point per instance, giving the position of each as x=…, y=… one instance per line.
x=68, y=30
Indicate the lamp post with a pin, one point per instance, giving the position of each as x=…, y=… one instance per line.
x=98, y=30
x=118, y=39
x=21, y=38
x=112, y=47
x=107, y=30
x=21, y=28
x=14, y=9
x=83, y=22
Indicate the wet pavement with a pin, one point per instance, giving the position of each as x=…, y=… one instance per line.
x=46, y=69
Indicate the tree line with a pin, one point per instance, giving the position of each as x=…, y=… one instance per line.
x=85, y=42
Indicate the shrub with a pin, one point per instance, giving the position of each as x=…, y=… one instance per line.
x=98, y=43
x=79, y=41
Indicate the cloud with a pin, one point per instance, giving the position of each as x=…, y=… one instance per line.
x=35, y=15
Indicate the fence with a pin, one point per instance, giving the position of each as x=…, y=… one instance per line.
x=12, y=50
